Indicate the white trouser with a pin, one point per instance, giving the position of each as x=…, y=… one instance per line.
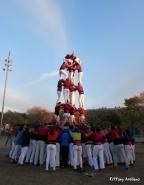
x=98, y=157
x=133, y=152
x=84, y=152
x=72, y=97
x=16, y=152
x=107, y=153
x=31, y=151
x=59, y=95
x=129, y=153
x=77, y=151
x=81, y=100
x=71, y=155
x=89, y=154
x=23, y=154
x=39, y=153
x=57, y=154
x=80, y=74
x=62, y=72
x=51, y=156
x=119, y=149
x=12, y=149
x=66, y=95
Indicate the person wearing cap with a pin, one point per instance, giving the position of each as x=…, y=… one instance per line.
x=80, y=90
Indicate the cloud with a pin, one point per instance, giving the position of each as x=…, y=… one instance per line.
x=15, y=101
x=46, y=18
x=43, y=77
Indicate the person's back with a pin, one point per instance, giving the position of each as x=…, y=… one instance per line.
x=65, y=138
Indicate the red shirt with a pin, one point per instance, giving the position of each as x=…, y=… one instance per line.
x=80, y=89
x=97, y=137
x=72, y=87
x=114, y=134
x=81, y=111
x=64, y=66
x=42, y=133
x=60, y=84
x=78, y=68
x=52, y=137
x=67, y=83
x=67, y=108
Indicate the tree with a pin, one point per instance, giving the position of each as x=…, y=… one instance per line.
x=132, y=102
x=38, y=115
x=14, y=118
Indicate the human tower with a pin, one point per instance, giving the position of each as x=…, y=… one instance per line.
x=69, y=85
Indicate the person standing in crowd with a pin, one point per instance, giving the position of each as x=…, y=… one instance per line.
x=9, y=135
x=118, y=147
x=64, y=146
x=52, y=138
x=98, y=154
x=32, y=146
x=106, y=146
x=77, y=149
x=40, y=145
x=18, y=143
x=88, y=145
x=24, y=145
x=128, y=140
x=58, y=131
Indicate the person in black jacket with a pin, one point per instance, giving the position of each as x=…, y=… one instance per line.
x=25, y=145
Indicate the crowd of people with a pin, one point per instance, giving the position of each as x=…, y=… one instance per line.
x=73, y=146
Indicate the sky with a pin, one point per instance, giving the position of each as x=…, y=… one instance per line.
x=107, y=36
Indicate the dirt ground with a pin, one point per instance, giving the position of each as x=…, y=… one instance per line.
x=11, y=174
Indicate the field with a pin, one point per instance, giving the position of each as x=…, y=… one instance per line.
x=12, y=174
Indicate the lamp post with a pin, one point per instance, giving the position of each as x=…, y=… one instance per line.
x=8, y=64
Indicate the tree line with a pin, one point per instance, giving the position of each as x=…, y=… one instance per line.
x=130, y=116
